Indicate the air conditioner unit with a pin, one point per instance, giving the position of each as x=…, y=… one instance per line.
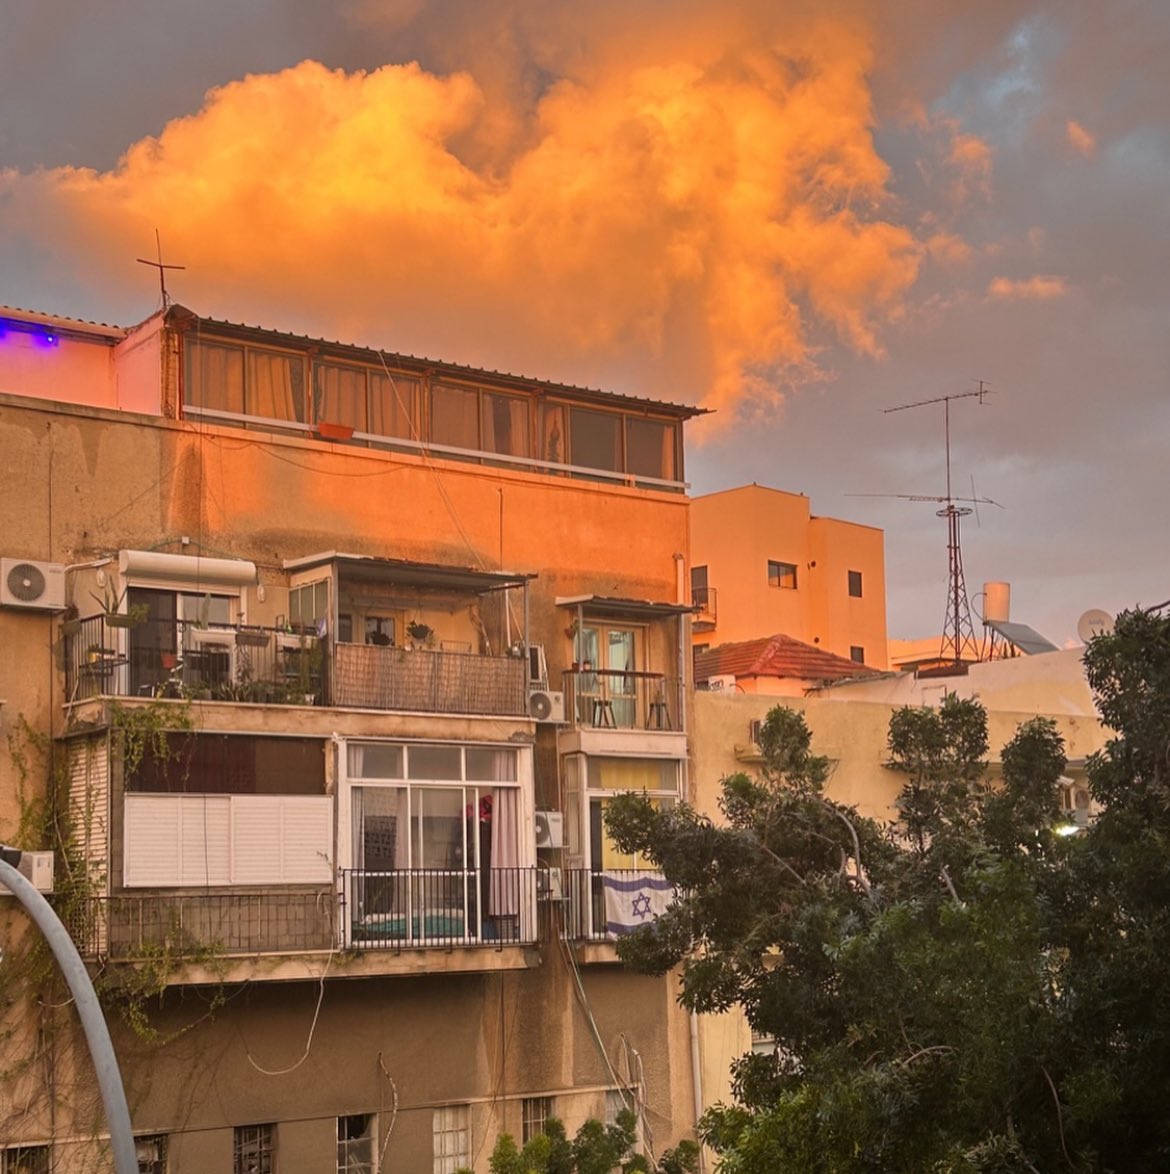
x=724, y=683
x=546, y=706
x=550, y=829
x=548, y=884
x=37, y=869
x=36, y=585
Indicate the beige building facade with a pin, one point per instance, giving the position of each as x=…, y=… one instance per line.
x=764, y=564
x=328, y=656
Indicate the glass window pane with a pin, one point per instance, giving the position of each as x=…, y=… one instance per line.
x=634, y=774
x=596, y=439
x=339, y=395
x=455, y=416
x=435, y=762
x=437, y=829
x=276, y=386
x=650, y=448
x=394, y=402
x=496, y=765
x=215, y=376
x=552, y=434
x=505, y=425
x=374, y=760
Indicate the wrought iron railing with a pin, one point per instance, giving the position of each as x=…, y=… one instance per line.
x=602, y=905
x=439, y=907
x=132, y=926
x=605, y=699
x=706, y=599
x=158, y=658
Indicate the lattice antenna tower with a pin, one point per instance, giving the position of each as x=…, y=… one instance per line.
x=958, y=635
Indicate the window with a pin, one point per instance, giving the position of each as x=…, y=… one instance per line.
x=452, y=1138
x=534, y=1115
x=699, y=586
x=855, y=584
x=308, y=604
x=650, y=448
x=253, y=1150
x=152, y=1154
x=455, y=416
x=857, y=653
x=239, y=764
x=595, y=439
x=781, y=574
x=355, y=1144
x=763, y=1044
x=25, y=1159
x=246, y=380
x=505, y=424
x=395, y=406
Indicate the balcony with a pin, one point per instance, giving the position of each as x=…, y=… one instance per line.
x=601, y=906
x=622, y=700
x=706, y=604
x=273, y=666
x=380, y=912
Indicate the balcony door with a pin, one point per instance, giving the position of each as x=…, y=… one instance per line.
x=158, y=646
x=611, y=651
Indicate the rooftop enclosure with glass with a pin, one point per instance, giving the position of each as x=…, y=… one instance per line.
x=269, y=380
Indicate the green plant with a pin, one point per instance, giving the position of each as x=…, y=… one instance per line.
x=111, y=601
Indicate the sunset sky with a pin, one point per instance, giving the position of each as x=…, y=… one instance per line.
x=798, y=214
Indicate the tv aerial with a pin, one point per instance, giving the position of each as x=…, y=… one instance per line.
x=958, y=631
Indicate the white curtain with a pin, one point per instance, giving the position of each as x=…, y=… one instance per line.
x=504, y=894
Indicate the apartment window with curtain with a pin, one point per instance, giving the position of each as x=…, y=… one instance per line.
x=595, y=439
x=650, y=450
x=340, y=395
x=455, y=416
x=505, y=425
x=245, y=380
x=395, y=406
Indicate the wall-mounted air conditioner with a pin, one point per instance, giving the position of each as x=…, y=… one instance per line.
x=548, y=884
x=546, y=706
x=37, y=869
x=724, y=683
x=550, y=829
x=36, y=585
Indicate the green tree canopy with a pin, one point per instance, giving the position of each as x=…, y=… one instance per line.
x=965, y=990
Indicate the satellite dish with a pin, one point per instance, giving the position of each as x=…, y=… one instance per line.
x=1095, y=622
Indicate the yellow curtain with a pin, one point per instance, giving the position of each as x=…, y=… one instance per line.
x=270, y=386
x=394, y=406
x=340, y=395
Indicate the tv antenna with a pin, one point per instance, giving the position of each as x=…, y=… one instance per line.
x=162, y=269
x=958, y=630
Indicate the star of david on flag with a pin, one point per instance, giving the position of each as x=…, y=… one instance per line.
x=633, y=899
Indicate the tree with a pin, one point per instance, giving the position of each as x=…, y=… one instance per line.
x=595, y=1149
x=964, y=991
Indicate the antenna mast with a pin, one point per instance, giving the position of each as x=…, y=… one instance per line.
x=958, y=630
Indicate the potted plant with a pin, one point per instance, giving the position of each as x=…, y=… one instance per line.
x=421, y=633
x=111, y=604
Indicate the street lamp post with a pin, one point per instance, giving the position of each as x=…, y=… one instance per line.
x=93, y=1022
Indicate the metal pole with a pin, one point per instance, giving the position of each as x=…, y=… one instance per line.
x=93, y=1022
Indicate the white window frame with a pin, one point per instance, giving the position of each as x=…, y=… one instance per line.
x=451, y=1138
x=357, y=1155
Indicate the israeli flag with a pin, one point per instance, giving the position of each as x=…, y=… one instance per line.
x=634, y=898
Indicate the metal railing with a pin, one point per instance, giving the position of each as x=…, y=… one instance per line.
x=132, y=926
x=157, y=658
x=439, y=907
x=600, y=906
x=178, y=658
x=605, y=699
x=706, y=599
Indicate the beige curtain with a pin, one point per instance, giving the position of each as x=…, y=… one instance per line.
x=215, y=377
x=271, y=386
x=394, y=406
x=339, y=396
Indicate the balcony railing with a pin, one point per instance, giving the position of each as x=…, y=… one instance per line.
x=441, y=907
x=706, y=599
x=600, y=906
x=601, y=699
x=130, y=926
x=274, y=666
x=369, y=676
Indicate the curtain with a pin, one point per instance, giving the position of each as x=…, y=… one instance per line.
x=340, y=395
x=394, y=406
x=215, y=377
x=275, y=386
x=504, y=897
x=505, y=423
x=455, y=416
x=552, y=435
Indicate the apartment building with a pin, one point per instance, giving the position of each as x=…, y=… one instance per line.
x=765, y=565
x=339, y=655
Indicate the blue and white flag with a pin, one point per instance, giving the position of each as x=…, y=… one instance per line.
x=634, y=898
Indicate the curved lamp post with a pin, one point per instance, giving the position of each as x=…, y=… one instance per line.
x=97, y=1034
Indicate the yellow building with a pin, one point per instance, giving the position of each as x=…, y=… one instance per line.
x=422, y=622
x=763, y=564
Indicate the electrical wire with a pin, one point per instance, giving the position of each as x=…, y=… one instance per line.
x=312, y=1029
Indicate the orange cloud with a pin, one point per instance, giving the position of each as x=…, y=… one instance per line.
x=1027, y=289
x=696, y=209
x=945, y=248
x=1081, y=140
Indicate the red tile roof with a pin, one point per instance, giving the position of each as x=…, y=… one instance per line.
x=775, y=656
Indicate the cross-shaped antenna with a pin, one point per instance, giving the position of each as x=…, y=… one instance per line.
x=162, y=275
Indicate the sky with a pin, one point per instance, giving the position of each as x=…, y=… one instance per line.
x=798, y=215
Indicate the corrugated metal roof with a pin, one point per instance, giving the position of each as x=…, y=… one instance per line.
x=776, y=656
x=178, y=315
x=59, y=322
